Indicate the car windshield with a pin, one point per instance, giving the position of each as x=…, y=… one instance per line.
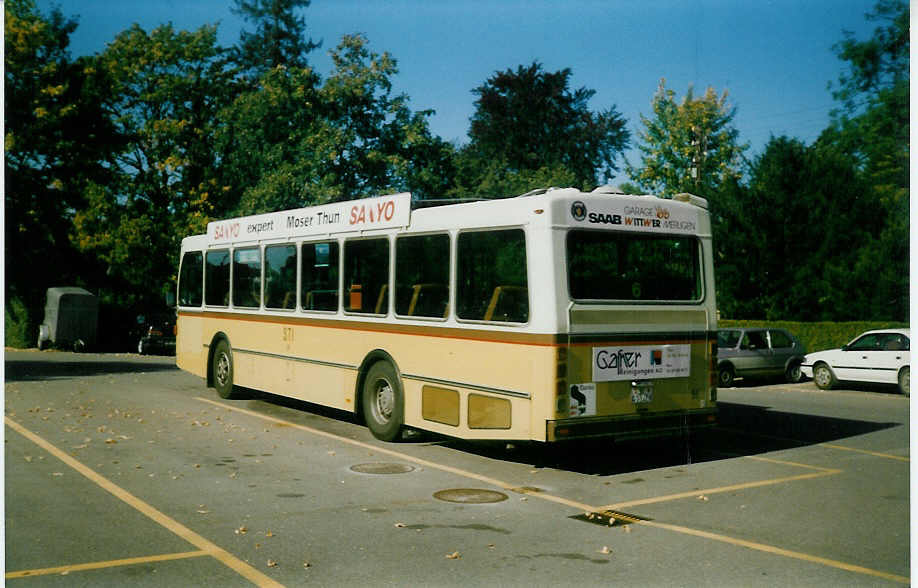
x=728, y=339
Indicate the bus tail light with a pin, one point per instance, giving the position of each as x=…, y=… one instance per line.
x=712, y=371
x=562, y=398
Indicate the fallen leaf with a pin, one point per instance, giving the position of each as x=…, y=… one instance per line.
x=306, y=564
x=242, y=530
x=400, y=525
x=605, y=550
x=272, y=563
x=627, y=528
x=269, y=534
x=454, y=555
x=702, y=497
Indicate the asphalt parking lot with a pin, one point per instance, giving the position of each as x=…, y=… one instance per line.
x=122, y=470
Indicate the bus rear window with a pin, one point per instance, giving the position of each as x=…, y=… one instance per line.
x=626, y=266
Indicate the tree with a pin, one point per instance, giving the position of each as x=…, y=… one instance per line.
x=167, y=87
x=688, y=146
x=872, y=129
x=55, y=136
x=279, y=37
x=784, y=248
x=529, y=121
x=347, y=137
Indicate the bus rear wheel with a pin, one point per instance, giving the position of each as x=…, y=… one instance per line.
x=383, y=402
x=223, y=371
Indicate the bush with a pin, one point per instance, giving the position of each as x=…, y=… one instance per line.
x=818, y=336
x=21, y=331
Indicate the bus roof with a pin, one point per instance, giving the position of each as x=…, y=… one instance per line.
x=605, y=208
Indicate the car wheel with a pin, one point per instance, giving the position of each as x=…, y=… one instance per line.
x=793, y=373
x=140, y=347
x=383, y=402
x=223, y=371
x=904, y=380
x=725, y=377
x=823, y=376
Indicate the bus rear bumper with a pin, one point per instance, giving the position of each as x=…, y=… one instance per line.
x=635, y=426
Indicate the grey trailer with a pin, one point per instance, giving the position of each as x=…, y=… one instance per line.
x=71, y=319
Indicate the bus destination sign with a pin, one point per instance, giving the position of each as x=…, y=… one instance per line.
x=380, y=212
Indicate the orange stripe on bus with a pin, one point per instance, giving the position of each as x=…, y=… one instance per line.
x=536, y=339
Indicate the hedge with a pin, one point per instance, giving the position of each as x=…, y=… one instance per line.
x=817, y=336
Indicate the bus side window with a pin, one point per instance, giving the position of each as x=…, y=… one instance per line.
x=319, y=289
x=217, y=278
x=366, y=269
x=422, y=276
x=247, y=278
x=491, y=276
x=280, y=276
x=191, y=279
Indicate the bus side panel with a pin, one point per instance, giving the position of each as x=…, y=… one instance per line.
x=190, y=350
x=501, y=388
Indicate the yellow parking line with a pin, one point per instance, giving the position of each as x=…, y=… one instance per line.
x=777, y=551
x=874, y=453
x=718, y=490
x=226, y=558
x=98, y=565
x=590, y=509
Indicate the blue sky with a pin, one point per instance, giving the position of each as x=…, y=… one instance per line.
x=774, y=57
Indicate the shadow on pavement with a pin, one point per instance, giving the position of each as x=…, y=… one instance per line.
x=37, y=366
x=741, y=430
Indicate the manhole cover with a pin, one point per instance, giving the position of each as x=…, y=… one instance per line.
x=470, y=495
x=382, y=468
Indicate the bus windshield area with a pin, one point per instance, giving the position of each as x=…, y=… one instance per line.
x=603, y=265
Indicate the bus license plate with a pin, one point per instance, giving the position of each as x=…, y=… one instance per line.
x=641, y=392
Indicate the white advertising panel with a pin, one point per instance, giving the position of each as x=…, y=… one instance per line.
x=380, y=212
x=652, y=215
x=641, y=362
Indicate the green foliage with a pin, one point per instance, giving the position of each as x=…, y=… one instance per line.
x=56, y=137
x=819, y=335
x=20, y=324
x=786, y=243
x=688, y=146
x=346, y=138
x=279, y=38
x=529, y=120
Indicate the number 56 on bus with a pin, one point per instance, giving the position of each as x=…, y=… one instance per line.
x=558, y=314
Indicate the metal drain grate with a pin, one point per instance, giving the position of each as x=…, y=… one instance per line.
x=609, y=518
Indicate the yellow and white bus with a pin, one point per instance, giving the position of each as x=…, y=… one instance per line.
x=553, y=315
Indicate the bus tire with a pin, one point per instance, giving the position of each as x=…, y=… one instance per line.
x=383, y=401
x=223, y=371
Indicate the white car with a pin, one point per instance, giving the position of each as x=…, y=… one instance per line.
x=874, y=356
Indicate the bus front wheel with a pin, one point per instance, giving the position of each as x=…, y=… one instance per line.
x=383, y=402
x=223, y=370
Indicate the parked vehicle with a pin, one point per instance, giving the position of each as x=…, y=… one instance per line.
x=750, y=352
x=156, y=333
x=880, y=356
x=71, y=319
